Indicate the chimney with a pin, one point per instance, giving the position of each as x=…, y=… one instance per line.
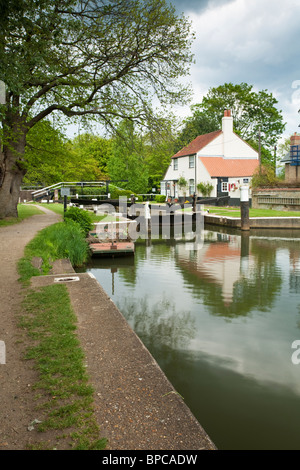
x=227, y=123
x=295, y=139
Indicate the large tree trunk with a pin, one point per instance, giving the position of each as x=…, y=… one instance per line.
x=12, y=172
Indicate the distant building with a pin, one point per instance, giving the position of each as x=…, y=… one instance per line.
x=292, y=161
x=220, y=158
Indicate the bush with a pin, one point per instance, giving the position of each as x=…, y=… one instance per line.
x=93, y=191
x=115, y=192
x=58, y=241
x=265, y=177
x=205, y=188
x=160, y=198
x=81, y=217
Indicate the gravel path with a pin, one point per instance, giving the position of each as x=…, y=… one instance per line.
x=17, y=409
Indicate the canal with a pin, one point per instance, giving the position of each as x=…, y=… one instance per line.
x=221, y=322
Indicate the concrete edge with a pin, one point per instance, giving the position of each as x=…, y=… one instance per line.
x=254, y=222
x=136, y=405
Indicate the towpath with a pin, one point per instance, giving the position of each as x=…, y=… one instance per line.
x=135, y=405
x=17, y=407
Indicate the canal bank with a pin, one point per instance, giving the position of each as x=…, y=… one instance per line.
x=136, y=406
x=254, y=222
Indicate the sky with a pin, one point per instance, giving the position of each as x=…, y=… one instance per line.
x=256, y=42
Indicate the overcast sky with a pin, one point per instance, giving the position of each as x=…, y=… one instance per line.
x=254, y=41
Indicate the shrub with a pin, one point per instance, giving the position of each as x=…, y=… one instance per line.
x=160, y=198
x=182, y=182
x=58, y=241
x=205, y=188
x=265, y=177
x=81, y=217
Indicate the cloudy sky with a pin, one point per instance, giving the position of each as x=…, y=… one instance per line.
x=255, y=41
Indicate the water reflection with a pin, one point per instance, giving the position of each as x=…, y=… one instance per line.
x=220, y=321
x=231, y=275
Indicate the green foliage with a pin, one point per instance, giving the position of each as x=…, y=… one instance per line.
x=115, y=192
x=160, y=198
x=62, y=240
x=95, y=148
x=81, y=217
x=182, y=182
x=127, y=161
x=250, y=111
x=265, y=177
x=50, y=158
x=92, y=60
x=205, y=188
x=198, y=124
x=93, y=190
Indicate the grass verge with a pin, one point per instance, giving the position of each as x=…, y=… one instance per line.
x=63, y=393
x=64, y=397
x=236, y=212
x=58, y=241
x=24, y=211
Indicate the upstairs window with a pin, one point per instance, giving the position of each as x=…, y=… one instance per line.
x=175, y=164
x=192, y=161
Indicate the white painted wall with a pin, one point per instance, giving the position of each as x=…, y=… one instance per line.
x=226, y=145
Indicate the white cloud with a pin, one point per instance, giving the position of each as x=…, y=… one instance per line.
x=254, y=42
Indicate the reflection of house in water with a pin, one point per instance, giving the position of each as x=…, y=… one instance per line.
x=219, y=262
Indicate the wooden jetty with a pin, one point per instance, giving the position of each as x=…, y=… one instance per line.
x=112, y=248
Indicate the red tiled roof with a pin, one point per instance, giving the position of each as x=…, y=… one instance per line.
x=197, y=144
x=231, y=167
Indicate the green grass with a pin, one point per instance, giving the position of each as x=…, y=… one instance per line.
x=24, y=211
x=235, y=212
x=63, y=393
x=58, y=241
x=55, y=207
x=64, y=397
x=59, y=209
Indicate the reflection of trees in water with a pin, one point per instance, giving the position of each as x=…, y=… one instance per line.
x=160, y=327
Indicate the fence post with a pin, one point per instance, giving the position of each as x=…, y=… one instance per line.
x=244, y=203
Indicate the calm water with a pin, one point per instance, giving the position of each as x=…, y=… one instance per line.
x=220, y=321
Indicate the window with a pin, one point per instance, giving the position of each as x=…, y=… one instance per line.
x=163, y=188
x=245, y=180
x=192, y=161
x=191, y=186
x=224, y=187
x=175, y=164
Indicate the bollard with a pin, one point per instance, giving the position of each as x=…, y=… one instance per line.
x=244, y=203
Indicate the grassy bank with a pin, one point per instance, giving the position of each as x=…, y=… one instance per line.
x=58, y=241
x=24, y=211
x=63, y=395
x=236, y=212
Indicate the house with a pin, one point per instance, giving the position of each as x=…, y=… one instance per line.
x=220, y=158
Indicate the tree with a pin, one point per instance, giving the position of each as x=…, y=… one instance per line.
x=198, y=124
x=96, y=147
x=104, y=59
x=252, y=112
x=158, y=148
x=127, y=161
x=50, y=158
